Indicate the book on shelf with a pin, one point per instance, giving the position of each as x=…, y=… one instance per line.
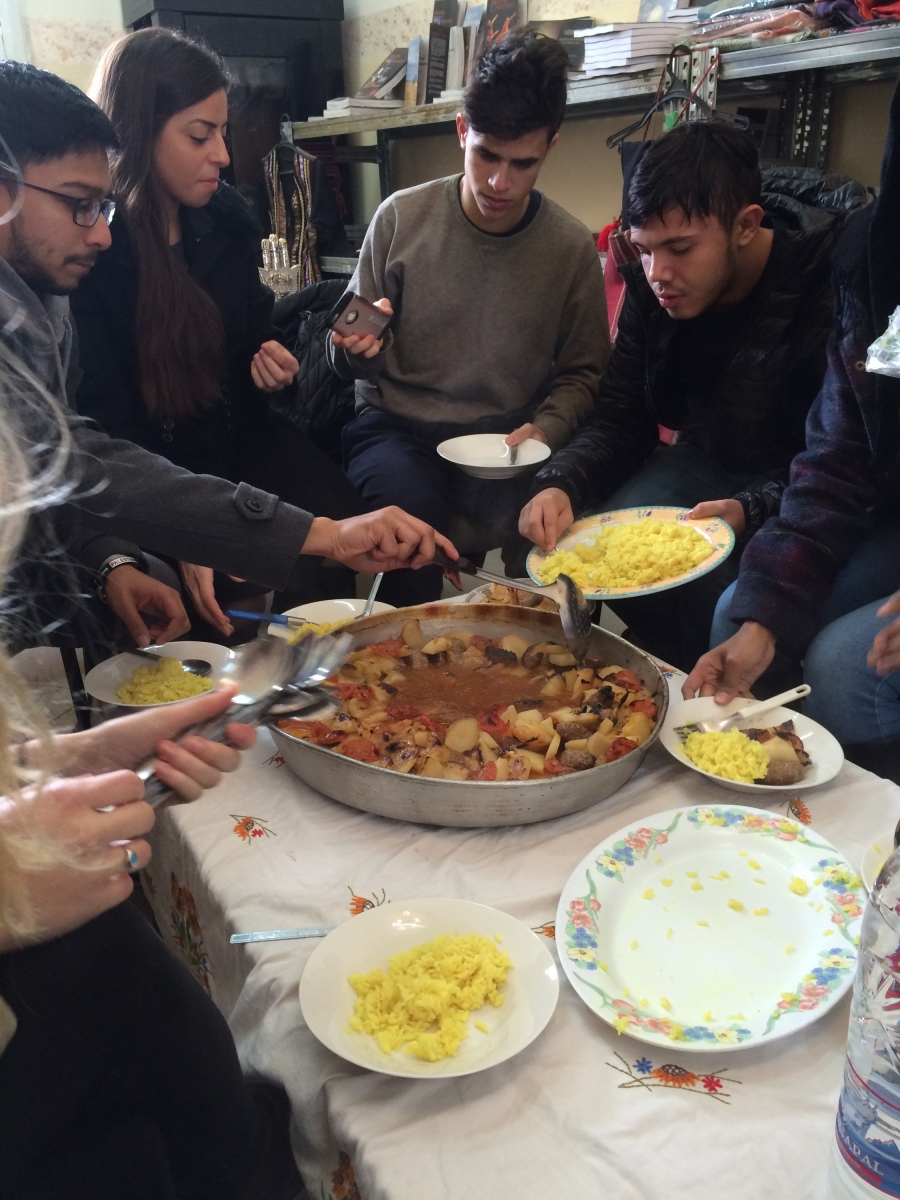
x=436, y=71
x=448, y=12
x=414, y=73
x=386, y=79
x=456, y=60
x=501, y=16
x=474, y=33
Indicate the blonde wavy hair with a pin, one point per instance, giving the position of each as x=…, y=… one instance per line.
x=32, y=477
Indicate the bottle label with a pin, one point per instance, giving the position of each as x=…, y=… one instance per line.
x=868, y=1133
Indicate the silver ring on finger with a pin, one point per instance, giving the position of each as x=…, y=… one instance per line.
x=131, y=860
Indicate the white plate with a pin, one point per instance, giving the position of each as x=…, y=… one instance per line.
x=486, y=455
x=718, y=533
x=368, y=941
x=324, y=611
x=823, y=748
x=730, y=983
x=875, y=856
x=103, y=681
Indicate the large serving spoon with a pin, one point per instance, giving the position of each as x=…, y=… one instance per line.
x=574, y=610
x=274, y=679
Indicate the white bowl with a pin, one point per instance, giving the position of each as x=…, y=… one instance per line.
x=368, y=941
x=486, y=455
x=324, y=611
x=823, y=748
x=103, y=681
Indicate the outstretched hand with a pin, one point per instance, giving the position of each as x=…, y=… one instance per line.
x=885, y=653
x=731, y=512
x=545, y=516
x=732, y=668
x=377, y=541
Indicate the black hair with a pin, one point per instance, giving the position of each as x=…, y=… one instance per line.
x=704, y=168
x=518, y=85
x=43, y=118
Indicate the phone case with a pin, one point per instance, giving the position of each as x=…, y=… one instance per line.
x=353, y=314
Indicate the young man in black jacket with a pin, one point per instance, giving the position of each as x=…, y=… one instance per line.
x=722, y=340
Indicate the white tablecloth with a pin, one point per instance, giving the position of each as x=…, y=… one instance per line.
x=571, y=1117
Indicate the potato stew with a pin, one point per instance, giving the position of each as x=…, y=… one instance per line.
x=462, y=706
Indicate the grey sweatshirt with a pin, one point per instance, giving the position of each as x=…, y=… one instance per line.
x=485, y=325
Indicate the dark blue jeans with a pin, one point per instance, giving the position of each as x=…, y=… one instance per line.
x=675, y=624
x=847, y=697
x=393, y=461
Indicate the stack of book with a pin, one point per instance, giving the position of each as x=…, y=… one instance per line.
x=628, y=48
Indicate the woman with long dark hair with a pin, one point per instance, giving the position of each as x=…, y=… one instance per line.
x=176, y=343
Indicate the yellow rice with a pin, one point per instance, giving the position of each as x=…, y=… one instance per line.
x=159, y=685
x=730, y=755
x=424, y=1000
x=633, y=555
x=319, y=628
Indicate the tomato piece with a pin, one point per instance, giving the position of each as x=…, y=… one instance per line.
x=619, y=748
x=316, y=732
x=346, y=690
x=645, y=706
x=479, y=642
x=390, y=649
x=363, y=692
x=401, y=712
x=490, y=722
x=360, y=748
x=488, y=772
x=435, y=726
x=552, y=766
x=627, y=680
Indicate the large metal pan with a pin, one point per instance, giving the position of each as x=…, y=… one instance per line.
x=465, y=802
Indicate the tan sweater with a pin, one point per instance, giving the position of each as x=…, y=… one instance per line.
x=485, y=325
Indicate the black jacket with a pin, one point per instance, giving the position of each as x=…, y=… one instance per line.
x=755, y=423
x=220, y=243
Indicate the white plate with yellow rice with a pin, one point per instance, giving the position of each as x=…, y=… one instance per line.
x=710, y=928
x=321, y=616
x=104, y=681
x=367, y=942
x=634, y=552
x=824, y=750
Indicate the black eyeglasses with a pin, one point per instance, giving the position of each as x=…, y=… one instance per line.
x=85, y=213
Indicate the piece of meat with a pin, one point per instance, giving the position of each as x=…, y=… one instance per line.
x=578, y=760
x=509, y=743
x=569, y=731
x=417, y=659
x=496, y=654
x=518, y=768
x=784, y=772
x=526, y=599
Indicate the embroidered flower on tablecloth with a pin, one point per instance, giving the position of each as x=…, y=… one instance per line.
x=361, y=904
x=643, y=1074
x=185, y=924
x=798, y=810
x=251, y=827
x=343, y=1180
x=276, y=760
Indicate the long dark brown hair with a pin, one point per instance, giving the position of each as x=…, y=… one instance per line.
x=143, y=80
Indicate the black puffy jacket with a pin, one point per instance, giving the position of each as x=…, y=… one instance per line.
x=754, y=424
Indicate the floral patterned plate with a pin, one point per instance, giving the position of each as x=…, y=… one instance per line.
x=718, y=533
x=715, y=928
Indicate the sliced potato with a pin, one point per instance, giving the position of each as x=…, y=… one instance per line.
x=437, y=645
x=412, y=635
x=638, y=727
x=488, y=753
x=422, y=737
x=463, y=735
x=488, y=740
x=563, y=660
x=598, y=744
x=433, y=769
x=455, y=771
x=535, y=761
x=606, y=725
x=553, y=748
x=577, y=744
x=516, y=644
x=555, y=686
x=502, y=770
x=608, y=672
x=510, y=714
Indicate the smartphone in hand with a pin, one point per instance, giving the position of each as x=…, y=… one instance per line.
x=354, y=315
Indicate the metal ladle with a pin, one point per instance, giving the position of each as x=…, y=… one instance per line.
x=194, y=666
x=574, y=610
x=274, y=679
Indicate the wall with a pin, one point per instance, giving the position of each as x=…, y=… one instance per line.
x=68, y=36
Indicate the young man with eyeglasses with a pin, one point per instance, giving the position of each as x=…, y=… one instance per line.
x=61, y=141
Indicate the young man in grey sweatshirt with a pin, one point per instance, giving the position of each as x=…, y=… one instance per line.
x=500, y=314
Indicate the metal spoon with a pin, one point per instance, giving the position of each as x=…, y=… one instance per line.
x=574, y=610
x=194, y=666
x=272, y=678
x=373, y=592
x=757, y=709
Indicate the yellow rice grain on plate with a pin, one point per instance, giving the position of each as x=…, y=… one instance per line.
x=423, y=1003
x=638, y=554
x=319, y=628
x=159, y=685
x=730, y=755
